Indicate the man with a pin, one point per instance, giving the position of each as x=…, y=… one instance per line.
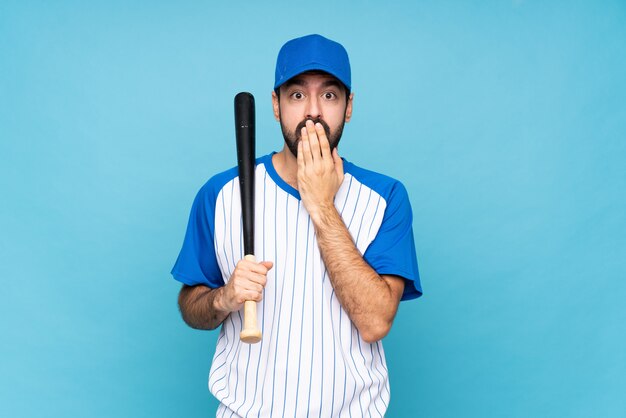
x=338, y=251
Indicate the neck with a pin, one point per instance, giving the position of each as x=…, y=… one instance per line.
x=286, y=166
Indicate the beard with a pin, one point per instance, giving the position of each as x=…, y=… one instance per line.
x=292, y=138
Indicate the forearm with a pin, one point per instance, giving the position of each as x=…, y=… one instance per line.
x=371, y=301
x=206, y=308
x=367, y=298
x=200, y=307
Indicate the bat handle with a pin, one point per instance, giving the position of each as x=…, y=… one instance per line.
x=250, y=333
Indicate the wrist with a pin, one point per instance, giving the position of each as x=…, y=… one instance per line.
x=320, y=214
x=218, y=300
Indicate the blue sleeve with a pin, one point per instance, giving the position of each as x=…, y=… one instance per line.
x=393, y=250
x=197, y=262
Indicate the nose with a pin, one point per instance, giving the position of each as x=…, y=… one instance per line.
x=313, y=110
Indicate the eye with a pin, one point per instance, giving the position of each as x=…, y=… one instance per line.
x=329, y=95
x=297, y=95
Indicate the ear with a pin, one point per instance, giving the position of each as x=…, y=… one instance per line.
x=349, y=108
x=276, y=106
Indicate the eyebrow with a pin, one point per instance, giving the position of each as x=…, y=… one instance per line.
x=297, y=81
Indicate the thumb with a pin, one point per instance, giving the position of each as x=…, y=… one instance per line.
x=267, y=264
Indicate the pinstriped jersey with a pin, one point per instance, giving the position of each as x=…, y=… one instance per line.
x=311, y=361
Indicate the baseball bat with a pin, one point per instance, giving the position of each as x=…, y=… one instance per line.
x=245, y=135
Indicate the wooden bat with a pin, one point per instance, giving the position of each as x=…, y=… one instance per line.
x=245, y=134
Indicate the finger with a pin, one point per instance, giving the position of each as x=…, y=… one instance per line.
x=246, y=284
x=300, y=157
x=250, y=295
x=260, y=267
x=247, y=265
x=324, y=144
x=253, y=287
x=251, y=280
x=313, y=140
x=261, y=279
x=257, y=296
x=306, y=147
x=257, y=293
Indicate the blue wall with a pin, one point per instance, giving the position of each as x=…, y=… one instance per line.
x=506, y=120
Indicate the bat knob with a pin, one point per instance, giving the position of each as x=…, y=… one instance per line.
x=250, y=336
x=250, y=333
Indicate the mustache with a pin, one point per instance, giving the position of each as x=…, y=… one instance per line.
x=314, y=120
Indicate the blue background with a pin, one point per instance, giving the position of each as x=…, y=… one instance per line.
x=506, y=120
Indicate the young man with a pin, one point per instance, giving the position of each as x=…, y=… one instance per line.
x=338, y=251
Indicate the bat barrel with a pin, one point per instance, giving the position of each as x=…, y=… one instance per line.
x=245, y=133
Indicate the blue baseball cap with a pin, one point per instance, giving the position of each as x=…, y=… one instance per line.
x=312, y=52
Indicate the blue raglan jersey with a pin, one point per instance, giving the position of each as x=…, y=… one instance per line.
x=311, y=360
